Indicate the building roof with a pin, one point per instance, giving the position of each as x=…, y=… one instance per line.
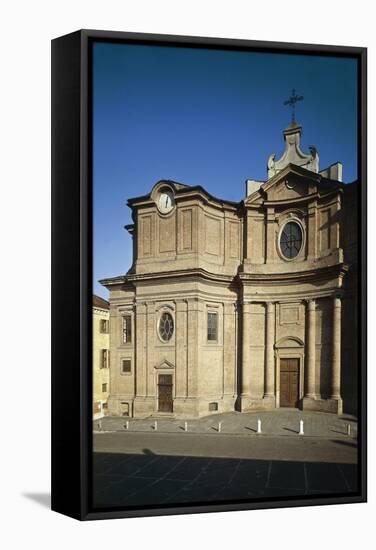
x=182, y=189
x=100, y=302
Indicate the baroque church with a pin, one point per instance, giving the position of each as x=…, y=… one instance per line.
x=239, y=306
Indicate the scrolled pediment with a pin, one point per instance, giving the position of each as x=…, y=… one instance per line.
x=293, y=153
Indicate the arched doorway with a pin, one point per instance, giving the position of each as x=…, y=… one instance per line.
x=289, y=372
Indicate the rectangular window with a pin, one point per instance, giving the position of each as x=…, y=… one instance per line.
x=213, y=406
x=104, y=388
x=126, y=366
x=104, y=326
x=104, y=406
x=105, y=359
x=127, y=329
x=212, y=327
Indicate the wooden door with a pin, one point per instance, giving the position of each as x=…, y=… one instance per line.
x=289, y=383
x=165, y=393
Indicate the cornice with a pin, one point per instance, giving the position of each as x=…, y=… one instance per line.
x=182, y=193
x=243, y=278
x=178, y=274
x=114, y=281
x=155, y=277
x=101, y=311
x=298, y=277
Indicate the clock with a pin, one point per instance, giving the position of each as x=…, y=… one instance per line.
x=166, y=201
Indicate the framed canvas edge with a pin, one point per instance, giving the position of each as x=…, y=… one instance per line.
x=66, y=441
x=82, y=509
x=204, y=41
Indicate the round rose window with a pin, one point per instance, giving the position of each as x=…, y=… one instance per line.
x=166, y=326
x=291, y=240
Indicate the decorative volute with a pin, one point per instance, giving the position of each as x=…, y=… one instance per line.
x=293, y=154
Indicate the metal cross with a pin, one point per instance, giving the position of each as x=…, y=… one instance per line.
x=291, y=103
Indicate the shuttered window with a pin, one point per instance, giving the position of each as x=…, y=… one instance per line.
x=127, y=329
x=105, y=359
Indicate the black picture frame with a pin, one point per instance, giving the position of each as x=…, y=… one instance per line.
x=72, y=268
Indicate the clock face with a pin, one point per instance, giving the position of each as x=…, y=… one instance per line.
x=166, y=202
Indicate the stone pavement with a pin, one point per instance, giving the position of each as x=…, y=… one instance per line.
x=149, y=479
x=144, y=466
x=281, y=422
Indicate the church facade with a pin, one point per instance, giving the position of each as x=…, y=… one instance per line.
x=239, y=306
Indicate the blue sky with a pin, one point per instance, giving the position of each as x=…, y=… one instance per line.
x=204, y=117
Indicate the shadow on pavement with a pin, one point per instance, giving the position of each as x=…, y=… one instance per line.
x=149, y=479
x=346, y=442
x=292, y=431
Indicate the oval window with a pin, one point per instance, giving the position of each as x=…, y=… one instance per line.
x=291, y=240
x=166, y=326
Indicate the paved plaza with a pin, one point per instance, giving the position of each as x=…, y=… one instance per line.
x=143, y=466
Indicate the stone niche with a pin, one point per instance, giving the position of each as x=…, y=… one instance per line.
x=145, y=224
x=290, y=314
x=233, y=239
x=167, y=234
x=186, y=237
x=290, y=320
x=213, y=235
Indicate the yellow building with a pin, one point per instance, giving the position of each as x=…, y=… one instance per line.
x=101, y=355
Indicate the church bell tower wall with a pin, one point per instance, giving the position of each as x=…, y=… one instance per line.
x=199, y=232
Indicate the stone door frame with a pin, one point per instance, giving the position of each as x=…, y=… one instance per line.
x=164, y=368
x=289, y=347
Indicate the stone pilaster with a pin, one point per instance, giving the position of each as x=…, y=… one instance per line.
x=192, y=383
x=143, y=405
x=150, y=390
x=140, y=363
x=312, y=231
x=181, y=330
x=269, y=394
x=334, y=403
x=311, y=350
x=311, y=399
x=248, y=238
x=229, y=347
x=270, y=240
x=246, y=379
x=336, y=350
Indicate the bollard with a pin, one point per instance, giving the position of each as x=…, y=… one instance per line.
x=259, y=426
x=301, y=428
x=348, y=429
x=155, y=425
x=219, y=427
x=99, y=425
x=126, y=425
x=185, y=426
